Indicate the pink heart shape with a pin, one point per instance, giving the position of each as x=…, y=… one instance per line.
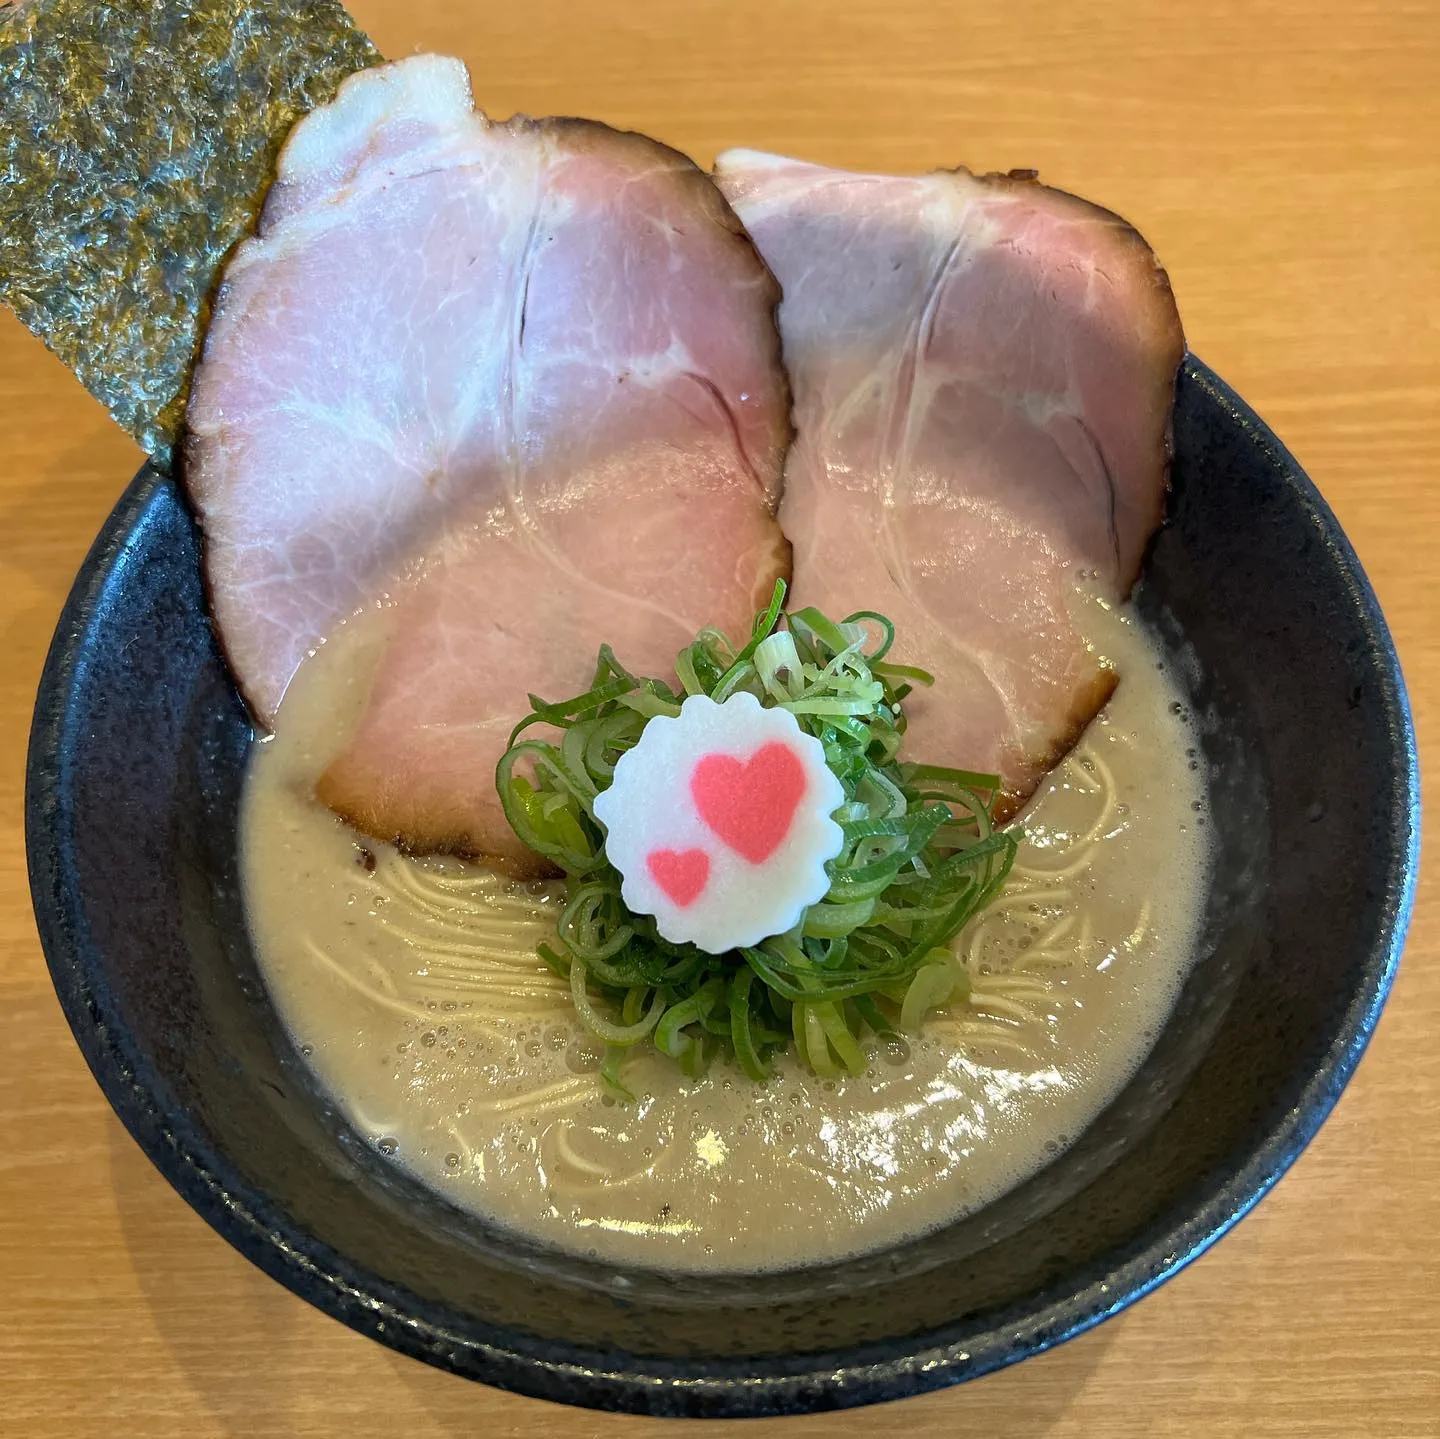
x=750, y=804
x=681, y=873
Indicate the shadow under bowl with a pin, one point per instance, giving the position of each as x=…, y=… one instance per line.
x=136, y=763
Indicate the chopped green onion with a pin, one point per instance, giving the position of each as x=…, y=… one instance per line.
x=920, y=857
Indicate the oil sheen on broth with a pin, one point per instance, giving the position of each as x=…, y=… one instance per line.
x=413, y=988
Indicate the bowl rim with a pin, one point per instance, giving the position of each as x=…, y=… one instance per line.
x=552, y=1369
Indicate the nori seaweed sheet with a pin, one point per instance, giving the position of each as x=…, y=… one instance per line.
x=137, y=141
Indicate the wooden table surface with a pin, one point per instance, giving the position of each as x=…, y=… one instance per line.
x=1283, y=156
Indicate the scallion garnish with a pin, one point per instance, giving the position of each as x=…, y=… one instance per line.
x=921, y=856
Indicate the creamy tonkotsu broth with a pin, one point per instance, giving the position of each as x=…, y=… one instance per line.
x=413, y=988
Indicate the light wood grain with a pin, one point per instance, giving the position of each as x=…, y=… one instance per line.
x=1282, y=157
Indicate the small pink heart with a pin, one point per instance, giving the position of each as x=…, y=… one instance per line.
x=681, y=873
x=750, y=804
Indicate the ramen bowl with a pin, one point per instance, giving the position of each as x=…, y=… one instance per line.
x=137, y=759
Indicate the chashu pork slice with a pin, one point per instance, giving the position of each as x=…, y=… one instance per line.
x=518, y=382
x=984, y=371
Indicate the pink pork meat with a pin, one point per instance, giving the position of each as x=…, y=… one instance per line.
x=984, y=371
x=520, y=382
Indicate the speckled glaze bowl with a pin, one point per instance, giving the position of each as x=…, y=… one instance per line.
x=136, y=761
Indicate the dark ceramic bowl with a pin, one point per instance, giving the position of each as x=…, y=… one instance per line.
x=136, y=762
